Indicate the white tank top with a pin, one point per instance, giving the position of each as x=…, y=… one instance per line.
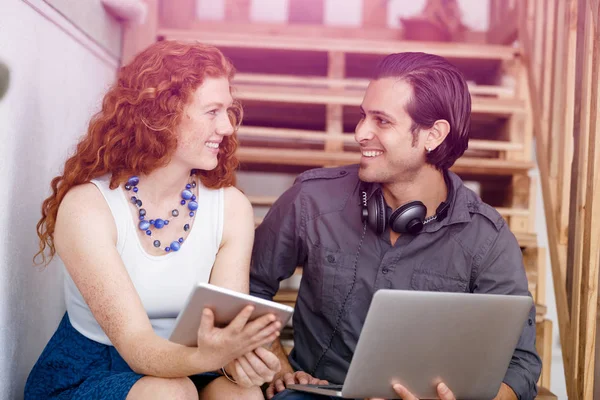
x=162, y=282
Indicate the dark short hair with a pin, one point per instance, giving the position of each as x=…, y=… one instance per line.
x=439, y=92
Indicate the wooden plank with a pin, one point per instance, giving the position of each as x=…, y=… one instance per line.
x=297, y=30
x=374, y=13
x=136, y=37
x=544, y=348
x=348, y=138
x=319, y=158
x=520, y=200
x=587, y=282
x=355, y=46
x=321, y=81
x=557, y=253
x=545, y=394
x=577, y=211
x=565, y=141
x=237, y=10
x=555, y=129
x=499, y=107
x=334, y=120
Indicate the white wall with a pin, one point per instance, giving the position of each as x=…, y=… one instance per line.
x=56, y=84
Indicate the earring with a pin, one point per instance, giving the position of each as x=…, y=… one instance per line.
x=429, y=150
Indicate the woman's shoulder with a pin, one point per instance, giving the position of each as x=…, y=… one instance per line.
x=235, y=198
x=83, y=199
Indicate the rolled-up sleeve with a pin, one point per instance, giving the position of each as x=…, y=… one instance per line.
x=278, y=245
x=502, y=272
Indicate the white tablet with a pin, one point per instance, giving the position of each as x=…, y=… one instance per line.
x=225, y=304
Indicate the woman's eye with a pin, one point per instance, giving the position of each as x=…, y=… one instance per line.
x=382, y=121
x=213, y=112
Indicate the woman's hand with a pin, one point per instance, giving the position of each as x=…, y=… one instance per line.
x=254, y=368
x=219, y=346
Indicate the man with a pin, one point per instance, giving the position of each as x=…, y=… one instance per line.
x=415, y=124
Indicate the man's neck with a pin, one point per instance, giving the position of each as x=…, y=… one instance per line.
x=427, y=186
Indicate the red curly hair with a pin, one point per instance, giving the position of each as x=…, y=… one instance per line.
x=134, y=132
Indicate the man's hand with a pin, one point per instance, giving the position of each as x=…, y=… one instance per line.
x=505, y=393
x=289, y=378
x=443, y=392
x=254, y=368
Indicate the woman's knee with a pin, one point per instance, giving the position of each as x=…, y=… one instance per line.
x=150, y=387
x=222, y=389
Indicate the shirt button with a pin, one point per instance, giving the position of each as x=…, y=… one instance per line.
x=330, y=259
x=530, y=322
x=384, y=271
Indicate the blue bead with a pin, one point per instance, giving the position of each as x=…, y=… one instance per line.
x=188, y=186
x=127, y=187
x=148, y=232
x=192, y=205
x=191, y=213
x=142, y=211
x=180, y=240
x=167, y=249
x=159, y=223
x=182, y=202
x=151, y=222
x=175, y=246
x=133, y=181
x=135, y=189
x=142, y=217
x=186, y=194
x=186, y=227
x=157, y=243
x=144, y=225
x=138, y=203
x=133, y=199
x=166, y=222
x=194, y=197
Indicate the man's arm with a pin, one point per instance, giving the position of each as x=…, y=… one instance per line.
x=501, y=271
x=277, y=251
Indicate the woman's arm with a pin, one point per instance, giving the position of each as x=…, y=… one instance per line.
x=85, y=238
x=232, y=265
x=232, y=270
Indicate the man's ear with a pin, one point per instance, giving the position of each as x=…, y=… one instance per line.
x=436, y=134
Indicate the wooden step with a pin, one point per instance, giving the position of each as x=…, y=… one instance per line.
x=351, y=83
x=348, y=138
x=453, y=50
x=319, y=158
x=354, y=97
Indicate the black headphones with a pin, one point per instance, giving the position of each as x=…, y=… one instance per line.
x=408, y=218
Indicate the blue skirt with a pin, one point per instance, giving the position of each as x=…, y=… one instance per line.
x=75, y=367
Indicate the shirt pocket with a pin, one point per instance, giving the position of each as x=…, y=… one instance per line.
x=432, y=281
x=335, y=270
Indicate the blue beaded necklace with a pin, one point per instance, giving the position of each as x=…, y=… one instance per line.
x=147, y=225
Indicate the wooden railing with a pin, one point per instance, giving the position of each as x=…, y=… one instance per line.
x=561, y=48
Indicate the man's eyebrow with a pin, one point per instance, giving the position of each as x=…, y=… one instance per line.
x=377, y=113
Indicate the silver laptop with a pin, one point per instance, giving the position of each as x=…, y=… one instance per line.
x=419, y=339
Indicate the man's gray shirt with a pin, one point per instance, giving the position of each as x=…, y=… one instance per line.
x=317, y=224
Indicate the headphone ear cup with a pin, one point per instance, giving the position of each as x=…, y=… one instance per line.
x=376, y=219
x=408, y=218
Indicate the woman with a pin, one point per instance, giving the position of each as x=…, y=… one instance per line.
x=145, y=209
